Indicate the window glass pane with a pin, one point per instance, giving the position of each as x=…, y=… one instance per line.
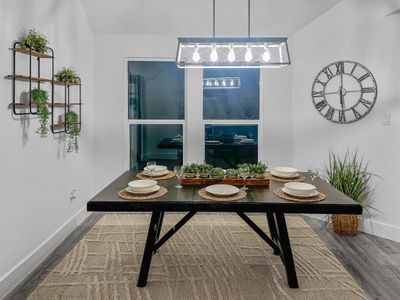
x=231, y=94
x=226, y=146
x=155, y=90
x=161, y=143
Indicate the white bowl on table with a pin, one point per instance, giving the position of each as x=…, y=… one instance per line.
x=222, y=189
x=285, y=172
x=146, y=192
x=142, y=185
x=158, y=171
x=300, y=189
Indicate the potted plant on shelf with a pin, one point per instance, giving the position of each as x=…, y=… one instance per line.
x=350, y=176
x=34, y=40
x=217, y=173
x=67, y=74
x=259, y=170
x=71, y=119
x=40, y=98
x=191, y=170
x=204, y=170
x=231, y=173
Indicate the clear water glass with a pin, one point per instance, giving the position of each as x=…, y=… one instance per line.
x=244, y=173
x=312, y=173
x=178, y=170
x=151, y=166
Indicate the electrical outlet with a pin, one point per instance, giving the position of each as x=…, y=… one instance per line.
x=386, y=119
x=72, y=195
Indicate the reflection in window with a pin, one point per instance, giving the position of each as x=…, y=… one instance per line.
x=161, y=143
x=226, y=146
x=231, y=94
x=155, y=90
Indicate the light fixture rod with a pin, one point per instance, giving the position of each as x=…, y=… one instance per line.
x=213, y=18
x=248, y=18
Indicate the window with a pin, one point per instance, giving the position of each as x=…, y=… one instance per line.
x=156, y=99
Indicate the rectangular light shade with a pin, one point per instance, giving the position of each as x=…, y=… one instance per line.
x=232, y=53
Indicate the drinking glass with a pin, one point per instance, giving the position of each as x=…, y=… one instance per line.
x=312, y=173
x=178, y=170
x=244, y=173
x=151, y=166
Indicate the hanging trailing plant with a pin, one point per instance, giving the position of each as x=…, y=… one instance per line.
x=67, y=74
x=40, y=98
x=71, y=118
x=34, y=40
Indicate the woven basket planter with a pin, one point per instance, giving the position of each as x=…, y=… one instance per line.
x=345, y=224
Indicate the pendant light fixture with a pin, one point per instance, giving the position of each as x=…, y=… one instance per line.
x=247, y=52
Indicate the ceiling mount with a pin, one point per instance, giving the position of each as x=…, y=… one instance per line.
x=260, y=52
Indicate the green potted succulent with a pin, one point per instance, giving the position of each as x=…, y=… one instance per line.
x=190, y=170
x=72, y=121
x=204, y=170
x=350, y=176
x=251, y=168
x=259, y=170
x=34, y=40
x=67, y=74
x=217, y=173
x=231, y=173
x=40, y=98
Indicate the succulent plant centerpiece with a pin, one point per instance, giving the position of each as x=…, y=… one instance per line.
x=217, y=173
x=231, y=173
x=204, y=170
x=191, y=170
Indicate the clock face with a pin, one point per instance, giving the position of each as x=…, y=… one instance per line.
x=344, y=92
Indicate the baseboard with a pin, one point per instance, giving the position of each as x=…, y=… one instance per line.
x=373, y=227
x=33, y=259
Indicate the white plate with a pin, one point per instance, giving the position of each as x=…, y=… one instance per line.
x=150, y=191
x=293, y=175
x=155, y=174
x=222, y=189
x=300, y=188
x=285, y=170
x=142, y=185
x=158, y=168
x=311, y=194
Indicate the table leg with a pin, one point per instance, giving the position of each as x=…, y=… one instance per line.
x=272, y=229
x=286, y=250
x=149, y=248
x=160, y=222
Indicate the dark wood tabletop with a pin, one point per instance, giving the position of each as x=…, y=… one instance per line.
x=187, y=199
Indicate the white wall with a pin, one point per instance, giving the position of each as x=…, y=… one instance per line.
x=353, y=30
x=36, y=175
x=110, y=154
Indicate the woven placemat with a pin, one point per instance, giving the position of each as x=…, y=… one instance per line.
x=281, y=194
x=269, y=176
x=204, y=194
x=128, y=196
x=169, y=175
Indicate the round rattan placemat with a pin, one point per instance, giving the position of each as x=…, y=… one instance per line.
x=169, y=175
x=128, y=196
x=281, y=194
x=204, y=194
x=269, y=176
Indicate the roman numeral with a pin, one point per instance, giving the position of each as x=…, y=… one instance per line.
x=365, y=76
x=368, y=90
x=353, y=69
x=318, y=94
x=321, y=82
x=328, y=73
x=366, y=103
x=339, y=67
x=342, y=116
x=329, y=113
x=356, y=113
x=321, y=105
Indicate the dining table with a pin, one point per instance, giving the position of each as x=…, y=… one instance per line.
x=261, y=200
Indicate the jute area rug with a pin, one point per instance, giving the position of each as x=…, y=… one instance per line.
x=214, y=256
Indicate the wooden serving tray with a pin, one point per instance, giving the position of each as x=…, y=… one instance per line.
x=232, y=181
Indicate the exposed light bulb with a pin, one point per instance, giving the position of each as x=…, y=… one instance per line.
x=248, y=56
x=196, y=55
x=214, y=55
x=266, y=55
x=223, y=82
x=216, y=83
x=231, y=55
x=232, y=83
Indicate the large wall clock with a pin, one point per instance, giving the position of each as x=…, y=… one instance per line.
x=344, y=92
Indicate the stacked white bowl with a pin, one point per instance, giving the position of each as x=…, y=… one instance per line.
x=144, y=186
x=158, y=171
x=285, y=172
x=300, y=189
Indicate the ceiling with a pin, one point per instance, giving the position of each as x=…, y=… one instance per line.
x=194, y=17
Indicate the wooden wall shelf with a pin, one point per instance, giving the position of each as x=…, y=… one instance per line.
x=56, y=104
x=38, y=79
x=32, y=52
